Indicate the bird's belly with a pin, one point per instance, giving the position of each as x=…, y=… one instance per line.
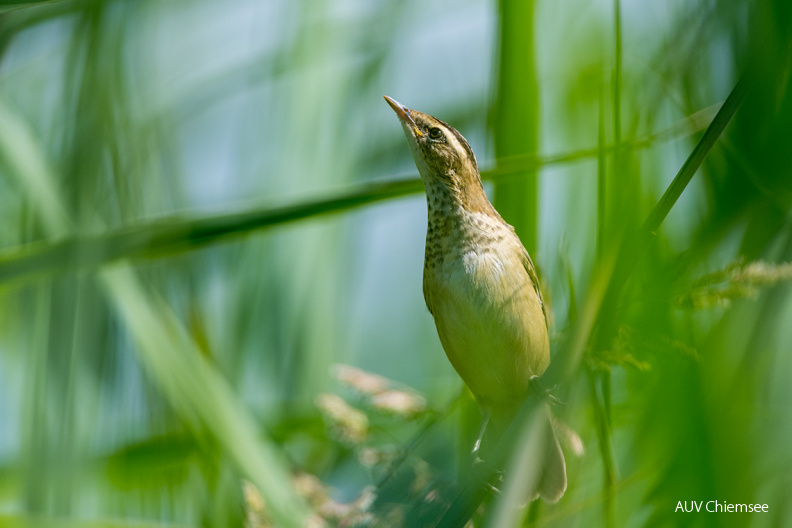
x=491, y=324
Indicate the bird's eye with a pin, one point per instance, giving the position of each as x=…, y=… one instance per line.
x=435, y=133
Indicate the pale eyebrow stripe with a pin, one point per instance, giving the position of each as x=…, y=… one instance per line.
x=461, y=141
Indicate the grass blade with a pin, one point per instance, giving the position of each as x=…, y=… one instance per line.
x=171, y=356
x=170, y=236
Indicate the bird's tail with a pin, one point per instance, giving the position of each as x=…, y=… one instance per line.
x=552, y=481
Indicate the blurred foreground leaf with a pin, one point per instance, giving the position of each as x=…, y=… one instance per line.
x=165, y=237
x=192, y=385
x=12, y=5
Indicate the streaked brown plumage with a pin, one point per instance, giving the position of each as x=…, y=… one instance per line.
x=480, y=285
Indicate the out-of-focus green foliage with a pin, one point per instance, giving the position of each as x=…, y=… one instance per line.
x=177, y=299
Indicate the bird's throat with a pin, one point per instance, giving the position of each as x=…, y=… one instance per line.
x=449, y=201
x=455, y=215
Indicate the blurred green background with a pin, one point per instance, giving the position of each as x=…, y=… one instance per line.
x=205, y=206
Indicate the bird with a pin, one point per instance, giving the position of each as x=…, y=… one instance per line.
x=481, y=287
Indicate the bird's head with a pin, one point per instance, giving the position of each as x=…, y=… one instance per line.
x=441, y=154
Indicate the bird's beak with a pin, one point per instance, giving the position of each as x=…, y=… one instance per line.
x=404, y=114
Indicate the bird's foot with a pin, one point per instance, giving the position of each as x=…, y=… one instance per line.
x=480, y=465
x=537, y=385
x=494, y=482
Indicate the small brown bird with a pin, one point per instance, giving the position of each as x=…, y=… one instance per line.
x=480, y=286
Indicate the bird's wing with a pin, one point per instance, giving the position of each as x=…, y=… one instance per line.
x=531, y=270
